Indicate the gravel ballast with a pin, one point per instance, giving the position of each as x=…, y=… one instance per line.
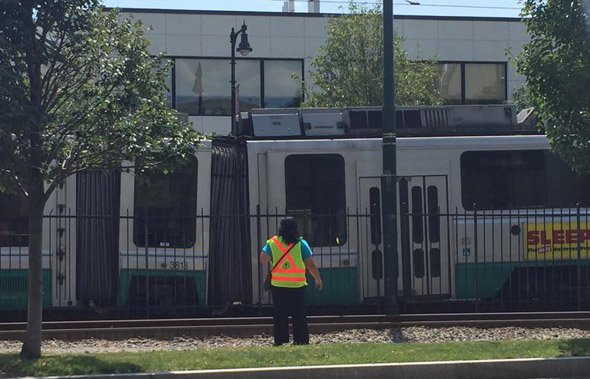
x=398, y=335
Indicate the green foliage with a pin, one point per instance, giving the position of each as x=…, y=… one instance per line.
x=522, y=98
x=348, y=71
x=556, y=63
x=79, y=90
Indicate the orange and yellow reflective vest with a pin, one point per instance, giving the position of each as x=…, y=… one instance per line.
x=290, y=273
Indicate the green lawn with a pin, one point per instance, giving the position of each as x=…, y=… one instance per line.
x=10, y=364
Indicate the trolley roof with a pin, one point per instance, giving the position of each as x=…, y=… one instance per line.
x=322, y=123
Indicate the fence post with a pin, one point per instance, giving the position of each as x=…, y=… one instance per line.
x=579, y=262
x=259, y=267
x=476, y=258
x=146, y=250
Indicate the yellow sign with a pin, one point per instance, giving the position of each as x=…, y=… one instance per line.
x=556, y=241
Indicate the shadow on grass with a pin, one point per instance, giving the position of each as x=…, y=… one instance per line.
x=575, y=348
x=11, y=365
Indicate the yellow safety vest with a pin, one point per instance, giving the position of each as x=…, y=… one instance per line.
x=290, y=273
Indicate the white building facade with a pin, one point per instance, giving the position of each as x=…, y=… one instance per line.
x=472, y=53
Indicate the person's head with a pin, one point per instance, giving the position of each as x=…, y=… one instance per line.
x=289, y=230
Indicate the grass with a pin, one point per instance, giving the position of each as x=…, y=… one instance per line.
x=11, y=365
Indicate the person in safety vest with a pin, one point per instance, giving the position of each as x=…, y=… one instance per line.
x=294, y=257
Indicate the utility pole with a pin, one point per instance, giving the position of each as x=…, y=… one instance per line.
x=389, y=179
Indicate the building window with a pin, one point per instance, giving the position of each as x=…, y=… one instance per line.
x=248, y=85
x=165, y=208
x=168, y=92
x=282, y=84
x=315, y=195
x=473, y=83
x=520, y=179
x=450, y=82
x=202, y=86
x=485, y=83
x=14, y=225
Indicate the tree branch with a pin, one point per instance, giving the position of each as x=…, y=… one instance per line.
x=14, y=178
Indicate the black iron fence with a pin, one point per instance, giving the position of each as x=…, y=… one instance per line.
x=174, y=265
x=523, y=259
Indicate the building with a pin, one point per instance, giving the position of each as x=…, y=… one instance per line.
x=471, y=52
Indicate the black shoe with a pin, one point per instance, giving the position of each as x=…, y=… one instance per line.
x=301, y=343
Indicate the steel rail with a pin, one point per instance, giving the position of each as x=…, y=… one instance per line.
x=249, y=326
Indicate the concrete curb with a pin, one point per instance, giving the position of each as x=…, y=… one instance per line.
x=484, y=369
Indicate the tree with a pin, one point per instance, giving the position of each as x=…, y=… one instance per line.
x=348, y=70
x=78, y=91
x=556, y=63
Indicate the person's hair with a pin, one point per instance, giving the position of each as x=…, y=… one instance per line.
x=289, y=230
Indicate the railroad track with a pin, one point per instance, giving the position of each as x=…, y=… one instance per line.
x=248, y=326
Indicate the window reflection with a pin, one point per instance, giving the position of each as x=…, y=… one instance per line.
x=520, y=179
x=282, y=84
x=473, y=83
x=165, y=208
x=202, y=86
x=485, y=83
x=248, y=84
x=315, y=195
x=168, y=92
x=450, y=82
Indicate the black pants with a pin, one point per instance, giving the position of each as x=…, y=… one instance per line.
x=290, y=301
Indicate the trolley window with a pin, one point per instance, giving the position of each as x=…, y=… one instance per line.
x=315, y=194
x=375, y=200
x=165, y=208
x=520, y=179
x=418, y=258
x=433, y=215
x=14, y=226
x=435, y=262
x=417, y=227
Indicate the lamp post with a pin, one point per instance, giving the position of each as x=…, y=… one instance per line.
x=243, y=48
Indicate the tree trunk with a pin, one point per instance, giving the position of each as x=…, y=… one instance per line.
x=33, y=56
x=32, y=344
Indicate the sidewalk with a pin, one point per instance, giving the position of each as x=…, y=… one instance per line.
x=484, y=369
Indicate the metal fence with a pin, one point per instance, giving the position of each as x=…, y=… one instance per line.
x=125, y=266
x=523, y=259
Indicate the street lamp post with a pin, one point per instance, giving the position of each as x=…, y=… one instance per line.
x=243, y=48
